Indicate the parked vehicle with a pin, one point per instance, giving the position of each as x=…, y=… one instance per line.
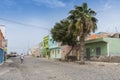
x=12, y=54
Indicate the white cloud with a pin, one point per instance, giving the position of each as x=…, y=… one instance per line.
x=50, y=3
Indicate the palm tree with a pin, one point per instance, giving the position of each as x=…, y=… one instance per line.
x=82, y=20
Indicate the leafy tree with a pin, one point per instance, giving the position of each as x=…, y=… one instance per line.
x=60, y=33
x=83, y=22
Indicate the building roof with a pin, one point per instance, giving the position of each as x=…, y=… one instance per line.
x=106, y=40
x=95, y=40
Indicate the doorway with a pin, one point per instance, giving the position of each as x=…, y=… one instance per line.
x=88, y=53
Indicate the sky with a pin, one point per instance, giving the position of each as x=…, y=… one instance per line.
x=41, y=15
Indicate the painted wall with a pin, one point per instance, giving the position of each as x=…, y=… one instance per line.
x=74, y=53
x=45, y=42
x=46, y=46
x=52, y=43
x=108, y=46
x=93, y=46
x=41, y=49
x=55, y=50
x=1, y=39
x=55, y=53
x=1, y=47
x=1, y=55
x=35, y=50
x=114, y=46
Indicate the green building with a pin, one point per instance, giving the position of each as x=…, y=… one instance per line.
x=102, y=47
x=42, y=50
x=46, y=46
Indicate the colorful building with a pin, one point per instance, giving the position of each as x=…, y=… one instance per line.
x=2, y=56
x=96, y=45
x=102, y=47
x=71, y=54
x=55, y=49
x=42, y=50
x=46, y=46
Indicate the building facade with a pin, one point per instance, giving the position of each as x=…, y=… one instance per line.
x=46, y=46
x=55, y=49
x=34, y=51
x=42, y=50
x=2, y=56
x=70, y=53
x=102, y=47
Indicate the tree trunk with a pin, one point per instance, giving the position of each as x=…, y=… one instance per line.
x=82, y=43
x=66, y=56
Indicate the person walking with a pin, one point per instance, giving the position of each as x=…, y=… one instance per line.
x=21, y=58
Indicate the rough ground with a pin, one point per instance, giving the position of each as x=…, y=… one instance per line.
x=43, y=69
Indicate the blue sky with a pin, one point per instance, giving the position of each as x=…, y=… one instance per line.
x=45, y=13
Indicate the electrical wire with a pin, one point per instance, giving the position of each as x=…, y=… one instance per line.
x=27, y=25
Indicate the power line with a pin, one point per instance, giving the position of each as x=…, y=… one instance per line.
x=27, y=25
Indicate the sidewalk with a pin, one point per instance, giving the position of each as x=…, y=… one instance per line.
x=94, y=63
x=86, y=62
x=100, y=63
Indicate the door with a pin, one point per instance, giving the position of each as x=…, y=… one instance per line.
x=88, y=53
x=98, y=51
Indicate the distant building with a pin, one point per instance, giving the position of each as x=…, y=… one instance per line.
x=42, y=50
x=46, y=46
x=55, y=49
x=34, y=51
x=115, y=35
x=29, y=52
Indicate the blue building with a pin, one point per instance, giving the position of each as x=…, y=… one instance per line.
x=55, y=50
x=1, y=55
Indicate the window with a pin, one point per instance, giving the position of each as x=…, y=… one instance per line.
x=52, y=41
x=55, y=51
x=52, y=51
x=58, y=51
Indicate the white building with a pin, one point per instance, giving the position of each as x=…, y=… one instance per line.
x=34, y=50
